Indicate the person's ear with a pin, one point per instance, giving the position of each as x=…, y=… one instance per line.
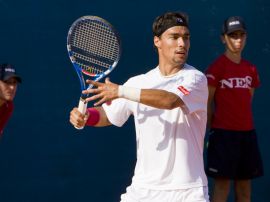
x=222, y=38
x=156, y=41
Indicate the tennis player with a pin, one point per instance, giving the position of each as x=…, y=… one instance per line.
x=8, y=87
x=169, y=106
x=233, y=153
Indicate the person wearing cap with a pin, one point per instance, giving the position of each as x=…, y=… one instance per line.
x=233, y=153
x=8, y=86
x=169, y=106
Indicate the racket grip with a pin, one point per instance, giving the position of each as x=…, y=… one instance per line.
x=82, y=108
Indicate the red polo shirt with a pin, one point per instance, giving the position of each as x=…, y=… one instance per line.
x=233, y=100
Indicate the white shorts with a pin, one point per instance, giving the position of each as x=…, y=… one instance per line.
x=133, y=194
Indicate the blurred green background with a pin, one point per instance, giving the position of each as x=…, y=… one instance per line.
x=42, y=157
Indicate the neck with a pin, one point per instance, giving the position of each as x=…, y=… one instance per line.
x=235, y=57
x=169, y=70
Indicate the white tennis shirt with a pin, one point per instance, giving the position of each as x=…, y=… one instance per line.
x=169, y=142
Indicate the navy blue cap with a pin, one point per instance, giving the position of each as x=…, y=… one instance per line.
x=232, y=24
x=8, y=71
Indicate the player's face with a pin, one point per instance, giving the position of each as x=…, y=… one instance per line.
x=8, y=89
x=173, y=45
x=235, y=41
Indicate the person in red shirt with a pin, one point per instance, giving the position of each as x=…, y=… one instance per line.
x=8, y=87
x=232, y=153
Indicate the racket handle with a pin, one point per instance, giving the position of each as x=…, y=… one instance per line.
x=82, y=108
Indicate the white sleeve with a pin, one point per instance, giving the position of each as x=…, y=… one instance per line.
x=194, y=92
x=118, y=111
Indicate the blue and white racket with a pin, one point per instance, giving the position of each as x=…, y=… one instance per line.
x=94, y=49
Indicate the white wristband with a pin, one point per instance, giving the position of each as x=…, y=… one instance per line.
x=133, y=94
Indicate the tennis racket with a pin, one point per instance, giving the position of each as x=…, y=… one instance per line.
x=94, y=49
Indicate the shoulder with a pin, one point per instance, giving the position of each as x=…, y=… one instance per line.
x=248, y=63
x=249, y=66
x=193, y=71
x=216, y=68
x=193, y=74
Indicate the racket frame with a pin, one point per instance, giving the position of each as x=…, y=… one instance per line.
x=82, y=107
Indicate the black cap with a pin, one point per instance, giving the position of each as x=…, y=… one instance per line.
x=8, y=71
x=232, y=24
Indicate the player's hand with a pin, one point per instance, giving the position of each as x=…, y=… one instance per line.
x=103, y=92
x=77, y=119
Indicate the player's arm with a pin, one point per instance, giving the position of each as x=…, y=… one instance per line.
x=93, y=117
x=210, y=104
x=160, y=99
x=108, y=91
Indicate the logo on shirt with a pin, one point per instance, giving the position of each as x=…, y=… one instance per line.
x=236, y=82
x=183, y=90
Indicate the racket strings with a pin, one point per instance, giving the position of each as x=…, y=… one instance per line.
x=95, y=46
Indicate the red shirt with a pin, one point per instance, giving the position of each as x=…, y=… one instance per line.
x=5, y=112
x=233, y=100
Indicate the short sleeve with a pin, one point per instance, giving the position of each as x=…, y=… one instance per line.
x=194, y=92
x=255, y=77
x=213, y=75
x=118, y=111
